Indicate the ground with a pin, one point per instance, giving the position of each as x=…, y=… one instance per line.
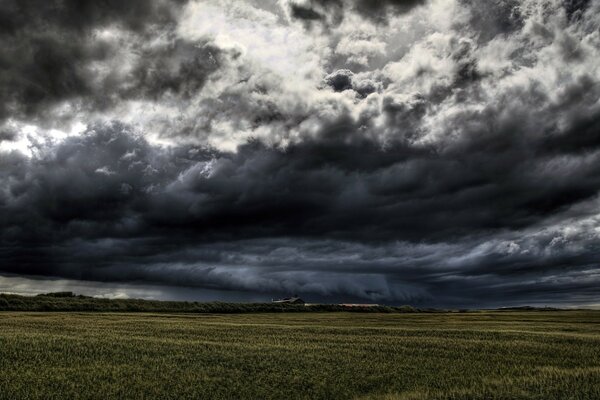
x=482, y=355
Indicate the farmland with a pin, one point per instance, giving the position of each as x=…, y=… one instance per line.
x=333, y=355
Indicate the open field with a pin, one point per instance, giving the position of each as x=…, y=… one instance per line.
x=480, y=355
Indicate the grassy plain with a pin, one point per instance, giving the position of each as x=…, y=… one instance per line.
x=479, y=355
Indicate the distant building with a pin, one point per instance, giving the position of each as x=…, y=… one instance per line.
x=358, y=305
x=290, y=300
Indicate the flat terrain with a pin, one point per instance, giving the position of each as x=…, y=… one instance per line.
x=483, y=355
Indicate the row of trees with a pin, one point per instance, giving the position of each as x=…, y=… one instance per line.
x=68, y=301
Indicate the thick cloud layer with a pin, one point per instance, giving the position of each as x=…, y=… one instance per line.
x=429, y=152
x=334, y=10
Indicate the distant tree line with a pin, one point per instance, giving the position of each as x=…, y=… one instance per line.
x=68, y=301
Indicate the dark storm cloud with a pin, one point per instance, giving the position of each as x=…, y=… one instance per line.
x=344, y=79
x=7, y=134
x=51, y=50
x=332, y=11
x=138, y=15
x=178, y=68
x=340, y=80
x=108, y=206
x=438, y=179
x=303, y=12
x=378, y=9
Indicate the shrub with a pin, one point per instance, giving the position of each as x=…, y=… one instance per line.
x=58, y=294
x=3, y=303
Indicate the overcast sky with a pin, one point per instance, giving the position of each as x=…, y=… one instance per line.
x=427, y=152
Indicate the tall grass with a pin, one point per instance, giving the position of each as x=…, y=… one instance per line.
x=480, y=355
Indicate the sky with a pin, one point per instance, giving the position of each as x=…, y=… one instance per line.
x=438, y=153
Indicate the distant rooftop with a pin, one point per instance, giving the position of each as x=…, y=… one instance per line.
x=290, y=300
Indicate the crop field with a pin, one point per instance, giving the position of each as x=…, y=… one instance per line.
x=478, y=355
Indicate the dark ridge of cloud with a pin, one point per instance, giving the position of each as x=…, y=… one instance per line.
x=326, y=12
x=111, y=182
x=378, y=10
x=49, y=49
x=305, y=13
x=586, y=139
x=333, y=11
x=331, y=270
x=80, y=16
x=41, y=71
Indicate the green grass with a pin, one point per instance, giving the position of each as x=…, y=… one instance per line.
x=479, y=355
